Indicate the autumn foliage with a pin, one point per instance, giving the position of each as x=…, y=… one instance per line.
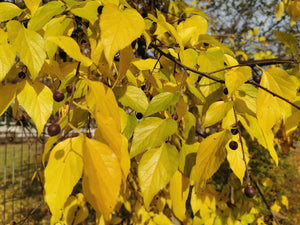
x=171, y=104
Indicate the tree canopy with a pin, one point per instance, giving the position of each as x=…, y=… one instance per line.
x=176, y=97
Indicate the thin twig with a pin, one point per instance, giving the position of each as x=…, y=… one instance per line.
x=265, y=201
x=148, y=81
x=272, y=93
x=208, y=75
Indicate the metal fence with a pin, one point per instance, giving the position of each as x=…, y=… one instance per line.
x=21, y=198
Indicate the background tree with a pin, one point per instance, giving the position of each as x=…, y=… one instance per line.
x=176, y=109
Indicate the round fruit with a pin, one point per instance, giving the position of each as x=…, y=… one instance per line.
x=88, y=135
x=225, y=91
x=100, y=8
x=257, y=79
x=175, y=116
x=234, y=131
x=53, y=129
x=10, y=139
x=250, y=192
x=69, y=89
x=58, y=96
x=147, y=93
x=139, y=116
x=22, y=75
x=233, y=145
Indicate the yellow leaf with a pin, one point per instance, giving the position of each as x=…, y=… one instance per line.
x=191, y=28
x=161, y=219
x=7, y=57
x=8, y=11
x=101, y=98
x=155, y=170
x=126, y=55
x=279, y=10
x=151, y=132
x=55, y=27
x=119, y=29
x=285, y=201
x=235, y=157
x=204, y=200
x=275, y=207
x=102, y=177
x=179, y=191
x=70, y=46
x=8, y=93
x=165, y=26
x=216, y=112
x=270, y=108
x=63, y=171
x=87, y=10
x=75, y=210
x=294, y=11
x=32, y=5
x=37, y=100
x=210, y=155
x=236, y=77
x=44, y=14
x=146, y=64
x=109, y=133
x=30, y=46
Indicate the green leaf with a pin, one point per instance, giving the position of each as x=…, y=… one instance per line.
x=7, y=55
x=210, y=156
x=119, y=29
x=44, y=14
x=216, y=112
x=8, y=11
x=156, y=168
x=62, y=172
x=236, y=77
x=187, y=158
x=211, y=60
x=30, y=46
x=8, y=93
x=286, y=38
x=151, y=132
x=133, y=97
x=70, y=46
x=162, y=102
x=87, y=10
x=102, y=177
x=37, y=100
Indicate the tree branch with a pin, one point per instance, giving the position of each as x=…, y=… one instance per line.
x=248, y=63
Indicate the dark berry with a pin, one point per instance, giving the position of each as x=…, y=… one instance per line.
x=257, y=78
x=147, y=93
x=53, y=129
x=144, y=14
x=10, y=139
x=22, y=75
x=175, y=116
x=58, y=96
x=100, y=8
x=69, y=89
x=250, y=192
x=89, y=135
x=233, y=145
x=234, y=131
x=117, y=57
x=225, y=91
x=139, y=116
